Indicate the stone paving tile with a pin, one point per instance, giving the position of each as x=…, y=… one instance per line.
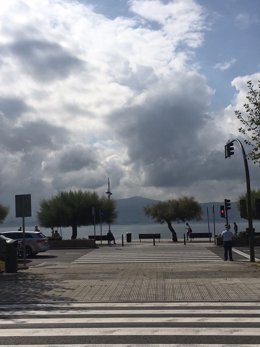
x=154, y=282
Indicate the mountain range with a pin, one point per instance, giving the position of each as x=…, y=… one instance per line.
x=131, y=211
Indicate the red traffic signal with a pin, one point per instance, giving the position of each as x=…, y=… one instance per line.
x=222, y=211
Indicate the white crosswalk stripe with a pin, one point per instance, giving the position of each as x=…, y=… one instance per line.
x=162, y=253
x=131, y=324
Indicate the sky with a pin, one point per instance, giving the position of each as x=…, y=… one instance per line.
x=142, y=92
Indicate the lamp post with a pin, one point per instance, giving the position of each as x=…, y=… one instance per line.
x=108, y=196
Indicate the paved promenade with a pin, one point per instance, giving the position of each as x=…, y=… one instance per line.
x=137, y=272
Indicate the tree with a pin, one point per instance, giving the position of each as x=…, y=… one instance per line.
x=250, y=120
x=182, y=209
x=75, y=208
x=255, y=194
x=3, y=212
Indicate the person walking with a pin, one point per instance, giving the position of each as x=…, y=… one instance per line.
x=227, y=236
x=189, y=231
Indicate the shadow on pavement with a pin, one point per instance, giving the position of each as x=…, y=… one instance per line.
x=30, y=288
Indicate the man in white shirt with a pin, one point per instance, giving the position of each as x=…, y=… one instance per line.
x=227, y=236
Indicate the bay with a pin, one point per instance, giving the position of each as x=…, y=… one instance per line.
x=135, y=229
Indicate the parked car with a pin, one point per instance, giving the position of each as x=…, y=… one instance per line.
x=35, y=241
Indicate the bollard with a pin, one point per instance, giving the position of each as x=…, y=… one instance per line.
x=11, y=256
x=184, y=239
x=154, y=241
x=122, y=240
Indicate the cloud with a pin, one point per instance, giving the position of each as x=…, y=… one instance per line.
x=181, y=21
x=85, y=97
x=245, y=20
x=43, y=60
x=76, y=158
x=225, y=65
x=31, y=135
x=12, y=107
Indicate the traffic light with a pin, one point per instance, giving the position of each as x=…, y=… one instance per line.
x=243, y=208
x=257, y=208
x=222, y=211
x=229, y=149
x=227, y=204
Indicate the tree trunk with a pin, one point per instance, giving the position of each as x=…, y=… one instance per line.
x=174, y=235
x=74, y=232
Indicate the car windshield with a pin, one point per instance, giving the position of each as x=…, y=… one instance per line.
x=41, y=235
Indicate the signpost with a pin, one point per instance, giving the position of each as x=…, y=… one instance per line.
x=23, y=209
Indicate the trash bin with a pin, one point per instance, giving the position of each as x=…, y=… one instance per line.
x=128, y=237
x=2, y=247
x=11, y=256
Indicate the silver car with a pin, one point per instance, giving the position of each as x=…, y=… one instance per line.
x=35, y=241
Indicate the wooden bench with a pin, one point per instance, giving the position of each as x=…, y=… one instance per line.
x=149, y=236
x=201, y=236
x=101, y=238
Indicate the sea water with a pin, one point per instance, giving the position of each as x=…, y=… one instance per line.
x=135, y=229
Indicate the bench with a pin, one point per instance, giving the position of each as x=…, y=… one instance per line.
x=201, y=236
x=149, y=236
x=101, y=238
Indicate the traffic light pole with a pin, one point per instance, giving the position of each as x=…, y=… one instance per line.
x=226, y=212
x=249, y=204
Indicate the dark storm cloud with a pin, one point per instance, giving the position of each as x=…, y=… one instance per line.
x=11, y=107
x=44, y=60
x=77, y=158
x=162, y=135
x=31, y=135
x=166, y=124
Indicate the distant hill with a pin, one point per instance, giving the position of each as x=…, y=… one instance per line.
x=131, y=211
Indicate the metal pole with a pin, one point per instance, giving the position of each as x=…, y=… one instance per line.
x=208, y=219
x=214, y=221
x=108, y=195
x=226, y=213
x=249, y=207
x=94, y=220
x=100, y=218
x=249, y=204
x=24, y=248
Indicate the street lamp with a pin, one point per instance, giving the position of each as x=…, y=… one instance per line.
x=108, y=196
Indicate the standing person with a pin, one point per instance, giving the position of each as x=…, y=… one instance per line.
x=227, y=236
x=235, y=228
x=189, y=231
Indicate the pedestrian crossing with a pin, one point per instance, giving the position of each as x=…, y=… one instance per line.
x=162, y=253
x=179, y=324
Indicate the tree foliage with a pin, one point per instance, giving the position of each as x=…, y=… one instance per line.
x=3, y=212
x=255, y=194
x=182, y=209
x=75, y=208
x=250, y=119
